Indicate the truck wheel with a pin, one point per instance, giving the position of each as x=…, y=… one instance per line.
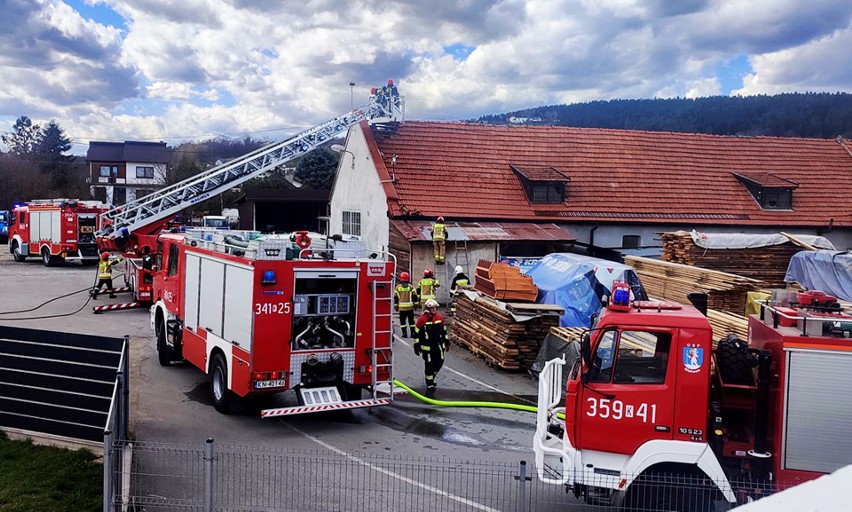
x=47, y=259
x=735, y=364
x=16, y=252
x=222, y=398
x=671, y=493
x=164, y=353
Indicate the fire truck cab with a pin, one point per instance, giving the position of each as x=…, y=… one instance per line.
x=262, y=315
x=56, y=230
x=656, y=416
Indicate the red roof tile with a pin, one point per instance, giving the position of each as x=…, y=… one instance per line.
x=463, y=171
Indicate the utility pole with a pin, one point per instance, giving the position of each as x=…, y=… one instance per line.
x=351, y=95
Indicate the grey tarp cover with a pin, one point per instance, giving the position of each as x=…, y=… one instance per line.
x=826, y=271
x=752, y=240
x=554, y=347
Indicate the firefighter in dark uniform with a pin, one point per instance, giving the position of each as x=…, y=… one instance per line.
x=404, y=299
x=105, y=275
x=460, y=282
x=439, y=237
x=431, y=342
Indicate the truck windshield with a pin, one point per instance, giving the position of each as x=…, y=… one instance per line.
x=218, y=222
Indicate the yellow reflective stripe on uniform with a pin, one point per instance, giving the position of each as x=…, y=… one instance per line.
x=438, y=232
x=104, y=270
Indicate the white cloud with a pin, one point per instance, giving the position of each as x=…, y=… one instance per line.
x=249, y=65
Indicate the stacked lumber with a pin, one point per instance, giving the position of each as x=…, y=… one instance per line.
x=721, y=322
x=504, y=282
x=767, y=263
x=672, y=281
x=487, y=328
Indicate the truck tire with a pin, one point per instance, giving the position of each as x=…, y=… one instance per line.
x=164, y=353
x=48, y=259
x=734, y=361
x=670, y=492
x=16, y=252
x=222, y=396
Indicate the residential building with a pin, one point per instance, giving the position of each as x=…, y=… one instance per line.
x=123, y=171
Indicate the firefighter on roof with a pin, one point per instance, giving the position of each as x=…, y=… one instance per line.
x=404, y=299
x=431, y=342
x=460, y=282
x=105, y=275
x=427, y=286
x=439, y=237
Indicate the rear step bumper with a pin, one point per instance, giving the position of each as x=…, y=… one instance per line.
x=337, y=406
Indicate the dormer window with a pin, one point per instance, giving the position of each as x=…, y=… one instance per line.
x=770, y=191
x=542, y=184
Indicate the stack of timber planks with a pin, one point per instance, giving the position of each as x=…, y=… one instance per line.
x=504, y=282
x=487, y=328
x=673, y=281
x=767, y=263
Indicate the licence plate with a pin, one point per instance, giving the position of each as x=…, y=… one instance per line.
x=261, y=384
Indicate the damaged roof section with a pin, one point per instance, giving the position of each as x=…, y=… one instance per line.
x=486, y=231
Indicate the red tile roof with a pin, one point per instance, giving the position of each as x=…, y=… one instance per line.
x=463, y=171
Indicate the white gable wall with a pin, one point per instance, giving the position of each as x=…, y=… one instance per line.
x=357, y=188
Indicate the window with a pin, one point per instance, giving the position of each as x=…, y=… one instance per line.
x=641, y=357
x=550, y=193
x=630, y=241
x=106, y=171
x=173, y=259
x=144, y=171
x=776, y=199
x=352, y=223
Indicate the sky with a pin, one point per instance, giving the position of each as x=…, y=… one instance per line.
x=180, y=71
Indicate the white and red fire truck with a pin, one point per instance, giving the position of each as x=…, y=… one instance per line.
x=259, y=314
x=655, y=417
x=263, y=316
x=56, y=230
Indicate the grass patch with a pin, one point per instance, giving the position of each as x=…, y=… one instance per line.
x=47, y=478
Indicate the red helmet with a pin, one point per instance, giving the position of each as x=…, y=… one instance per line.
x=440, y=219
x=428, y=273
x=390, y=82
x=405, y=276
x=104, y=255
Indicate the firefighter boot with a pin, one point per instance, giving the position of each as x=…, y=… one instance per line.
x=94, y=294
x=112, y=295
x=404, y=332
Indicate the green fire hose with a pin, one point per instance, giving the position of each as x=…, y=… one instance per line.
x=467, y=403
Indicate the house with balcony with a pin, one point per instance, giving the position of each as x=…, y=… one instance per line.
x=123, y=171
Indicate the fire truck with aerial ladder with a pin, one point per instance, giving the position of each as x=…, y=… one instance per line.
x=652, y=416
x=263, y=313
x=56, y=230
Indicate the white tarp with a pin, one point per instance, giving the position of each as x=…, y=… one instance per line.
x=750, y=241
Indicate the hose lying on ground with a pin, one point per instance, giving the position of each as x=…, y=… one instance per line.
x=467, y=403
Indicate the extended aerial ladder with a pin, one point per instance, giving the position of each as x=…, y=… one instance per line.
x=147, y=215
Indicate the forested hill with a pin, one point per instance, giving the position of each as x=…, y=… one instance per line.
x=820, y=115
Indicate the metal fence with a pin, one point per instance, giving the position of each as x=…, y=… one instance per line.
x=213, y=477
x=117, y=453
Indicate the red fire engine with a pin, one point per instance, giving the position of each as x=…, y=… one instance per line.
x=262, y=314
x=265, y=316
x=650, y=402
x=57, y=230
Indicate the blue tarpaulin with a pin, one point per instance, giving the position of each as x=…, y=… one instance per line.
x=826, y=271
x=579, y=284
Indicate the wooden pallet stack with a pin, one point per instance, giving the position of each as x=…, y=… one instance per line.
x=487, y=328
x=768, y=263
x=504, y=282
x=665, y=280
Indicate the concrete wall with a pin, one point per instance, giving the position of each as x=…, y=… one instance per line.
x=423, y=257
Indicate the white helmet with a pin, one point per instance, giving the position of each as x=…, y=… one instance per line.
x=459, y=269
x=431, y=303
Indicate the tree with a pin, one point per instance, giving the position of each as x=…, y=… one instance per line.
x=317, y=168
x=24, y=139
x=49, y=151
